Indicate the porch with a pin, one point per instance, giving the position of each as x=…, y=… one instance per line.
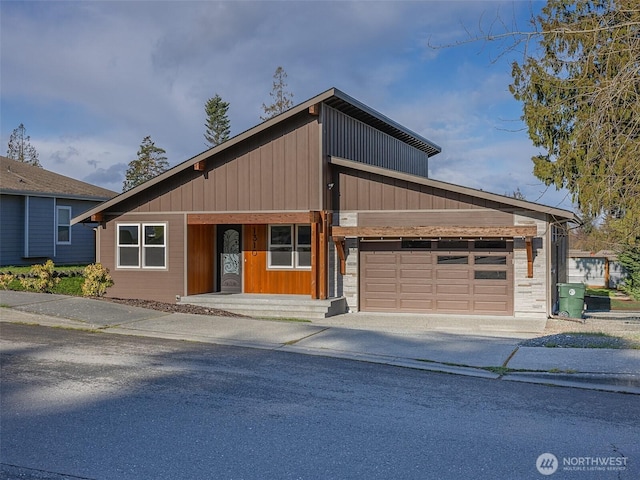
x=269, y=305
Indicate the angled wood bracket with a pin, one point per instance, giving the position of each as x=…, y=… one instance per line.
x=340, y=248
x=200, y=166
x=529, y=245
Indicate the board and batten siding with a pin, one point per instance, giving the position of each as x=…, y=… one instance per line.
x=276, y=171
x=12, y=231
x=41, y=226
x=362, y=191
x=346, y=137
x=151, y=284
x=82, y=249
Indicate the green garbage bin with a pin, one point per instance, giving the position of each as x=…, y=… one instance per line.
x=571, y=299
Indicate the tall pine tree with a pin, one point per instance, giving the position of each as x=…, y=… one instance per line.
x=20, y=148
x=581, y=103
x=150, y=163
x=282, y=98
x=217, y=124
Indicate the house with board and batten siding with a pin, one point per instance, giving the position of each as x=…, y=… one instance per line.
x=36, y=208
x=331, y=200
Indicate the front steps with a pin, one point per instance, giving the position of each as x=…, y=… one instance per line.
x=269, y=306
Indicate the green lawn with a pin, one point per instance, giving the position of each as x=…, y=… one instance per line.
x=71, y=278
x=618, y=301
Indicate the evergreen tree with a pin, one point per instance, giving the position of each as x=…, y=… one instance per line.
x=150, y=163
x=20, y=148
x=282, y=99
x=581, y=103
x=629, y=258
x=217, y=124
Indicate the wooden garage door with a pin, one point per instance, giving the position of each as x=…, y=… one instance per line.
x=472, y=277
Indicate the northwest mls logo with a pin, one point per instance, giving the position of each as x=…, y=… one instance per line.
x=547, y=464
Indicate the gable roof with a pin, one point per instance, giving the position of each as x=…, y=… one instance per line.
x=332, y=97
x=19, y=178
x=558, y=213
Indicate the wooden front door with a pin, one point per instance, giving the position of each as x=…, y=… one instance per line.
x=229, y=241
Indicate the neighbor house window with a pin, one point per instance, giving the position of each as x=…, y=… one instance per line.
x=142, y=245
x=63, y=222
x=289, y=246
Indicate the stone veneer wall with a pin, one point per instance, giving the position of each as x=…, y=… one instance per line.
x=345, y=285
x=530, y=294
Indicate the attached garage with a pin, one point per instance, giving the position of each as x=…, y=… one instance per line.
x=439, y=276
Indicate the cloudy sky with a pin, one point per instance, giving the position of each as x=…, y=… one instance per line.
x=90, y=79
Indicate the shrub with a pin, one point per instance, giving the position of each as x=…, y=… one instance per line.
x=40, y=278
x=96, y=280
x=5, y=280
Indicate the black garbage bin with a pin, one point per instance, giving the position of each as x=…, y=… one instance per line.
x=571, y=299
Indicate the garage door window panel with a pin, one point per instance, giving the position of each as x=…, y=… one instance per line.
x=490, y=245
x=490, y=275
x=453, y=245
x=453, y=259
x=490, y=260
x=416, y=244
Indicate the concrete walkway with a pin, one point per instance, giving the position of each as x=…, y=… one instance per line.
x=478, y=346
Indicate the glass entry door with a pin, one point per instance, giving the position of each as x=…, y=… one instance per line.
x=230, y=259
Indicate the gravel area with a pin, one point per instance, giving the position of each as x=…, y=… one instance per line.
x=613, y=332
x=172, y=307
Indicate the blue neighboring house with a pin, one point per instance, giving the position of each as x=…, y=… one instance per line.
x=36, y=208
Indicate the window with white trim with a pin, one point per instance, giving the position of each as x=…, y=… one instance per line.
x=303, y=246
x=153, y=246
x=63, y=224
x=289, y=246
x=142, y=245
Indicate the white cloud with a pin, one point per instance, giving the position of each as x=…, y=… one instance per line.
x=90, y=79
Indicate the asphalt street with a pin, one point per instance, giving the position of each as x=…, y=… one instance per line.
x=79, y=404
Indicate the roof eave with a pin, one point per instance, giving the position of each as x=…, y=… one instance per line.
x=564, y=215
x=70, y=196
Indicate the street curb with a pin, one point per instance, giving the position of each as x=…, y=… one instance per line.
x=617, y=383
x=427, y=365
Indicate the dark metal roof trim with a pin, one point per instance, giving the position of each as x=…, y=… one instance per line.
x=352, y=107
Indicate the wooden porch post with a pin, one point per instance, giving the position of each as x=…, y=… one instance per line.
x=323, y=239
x=314, y=259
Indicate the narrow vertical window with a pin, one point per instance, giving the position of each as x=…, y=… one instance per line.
x=128, y=245
x=63, y=222
x=303, y=246
x=154, y=246
x=281, y=246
